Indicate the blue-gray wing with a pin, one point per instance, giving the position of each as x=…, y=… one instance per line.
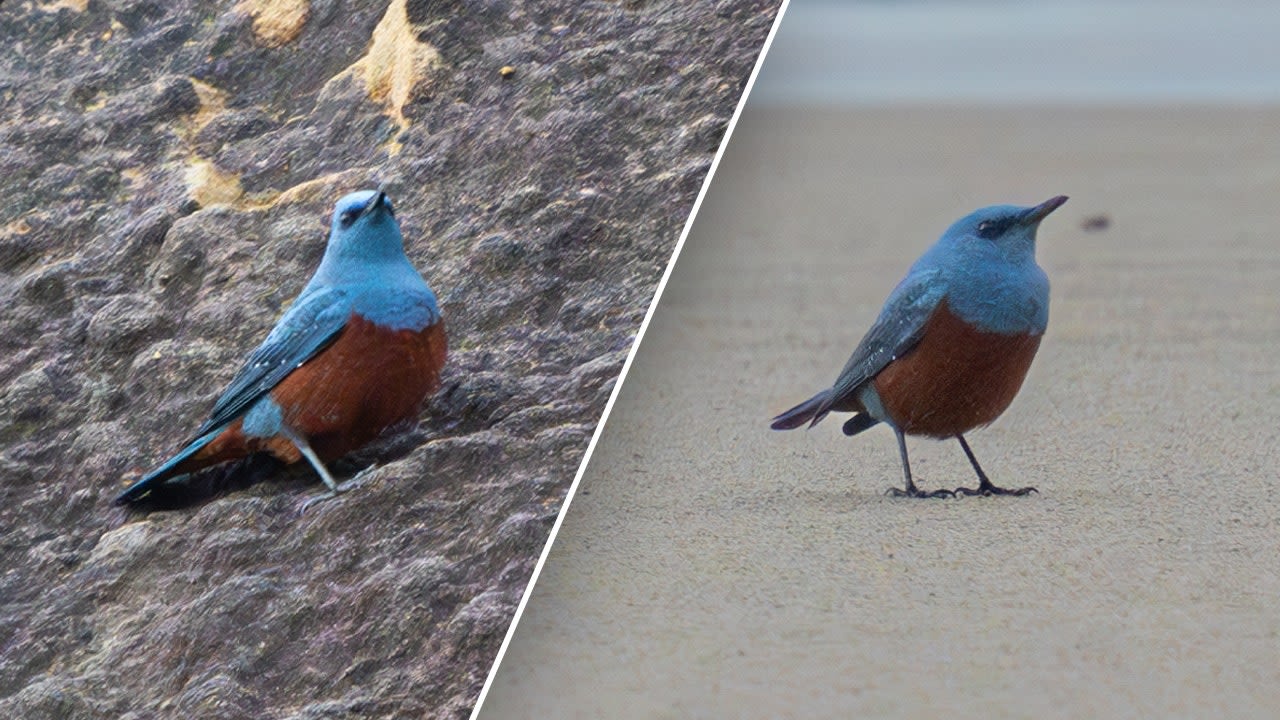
x=313, y=322
x=897, y=330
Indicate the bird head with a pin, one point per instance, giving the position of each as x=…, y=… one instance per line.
x=364, y=227
x=1010, y=230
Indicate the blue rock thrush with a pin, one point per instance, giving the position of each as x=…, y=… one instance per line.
x=359, y=350
x=953, y=343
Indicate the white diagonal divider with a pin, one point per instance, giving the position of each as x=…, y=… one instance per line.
x=626, y=366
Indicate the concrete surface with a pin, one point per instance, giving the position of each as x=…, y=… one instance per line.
x=711, y=568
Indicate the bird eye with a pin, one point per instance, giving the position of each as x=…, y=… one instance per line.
x=988, y=229
x=348, y=217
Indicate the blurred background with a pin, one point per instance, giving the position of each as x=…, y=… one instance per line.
x=711, y=568
x=1020, y=51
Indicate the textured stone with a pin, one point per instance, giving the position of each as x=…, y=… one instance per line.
x=166, y=170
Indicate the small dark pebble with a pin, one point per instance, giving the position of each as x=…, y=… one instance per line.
x=1095, y=223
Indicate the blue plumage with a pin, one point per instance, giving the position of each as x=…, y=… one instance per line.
x=954, y=339
x=364, y=274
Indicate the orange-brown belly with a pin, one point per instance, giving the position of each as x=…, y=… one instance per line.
x=366, y=381
x=955, y=379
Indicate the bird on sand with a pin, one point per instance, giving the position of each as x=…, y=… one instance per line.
x=360, y=350
x=952, y=344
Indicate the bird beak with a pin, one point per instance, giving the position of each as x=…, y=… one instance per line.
x=1038, y=213
x=376, y=203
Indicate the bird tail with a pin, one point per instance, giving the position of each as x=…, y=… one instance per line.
x=169, y=469
x=858, y=423
x=810, y=411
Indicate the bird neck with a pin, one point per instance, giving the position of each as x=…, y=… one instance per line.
x=339, y=269
x=368, y=251
x=1004, y=298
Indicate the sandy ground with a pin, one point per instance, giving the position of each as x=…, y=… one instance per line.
x=712, y=568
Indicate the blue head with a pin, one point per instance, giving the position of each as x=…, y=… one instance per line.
x=1005, y=232
x=986, y=267
x=365, y=257
x=365, y=244
x=364, y=227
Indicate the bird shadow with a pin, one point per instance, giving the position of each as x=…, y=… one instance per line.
x=209, y=484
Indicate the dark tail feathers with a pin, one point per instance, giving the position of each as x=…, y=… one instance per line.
x=858, y=423
x=164, y=472
x=814, y=409
x=810, y=411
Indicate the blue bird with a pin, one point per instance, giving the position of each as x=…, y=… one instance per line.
x=358, y=351
x=953, y=343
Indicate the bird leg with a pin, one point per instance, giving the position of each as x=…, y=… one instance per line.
x=301, y=443
x=911, y=489
x=985, y=487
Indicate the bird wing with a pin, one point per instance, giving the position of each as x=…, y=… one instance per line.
x=897, y=330
x=313, y=322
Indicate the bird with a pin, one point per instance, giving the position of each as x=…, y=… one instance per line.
x=358, y=351
x=953, y=343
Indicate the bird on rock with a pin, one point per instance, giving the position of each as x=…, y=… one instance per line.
x=360, y=350
x=953, y=343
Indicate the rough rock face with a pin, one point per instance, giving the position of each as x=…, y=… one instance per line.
x=166, y=169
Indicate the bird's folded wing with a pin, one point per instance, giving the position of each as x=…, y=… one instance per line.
x=313, y=322
x=897, y=330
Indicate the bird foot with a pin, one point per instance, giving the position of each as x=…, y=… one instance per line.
x=311, y=502
x=986, y=489
x=915, y=492
x=356, y=481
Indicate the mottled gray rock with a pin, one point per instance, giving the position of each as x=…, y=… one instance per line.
x=166, y=169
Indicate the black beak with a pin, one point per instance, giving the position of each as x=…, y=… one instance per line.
x=378, y=202
x=1039, y=212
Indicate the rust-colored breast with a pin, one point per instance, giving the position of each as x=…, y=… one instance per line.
x=366, y=381
x=956, y=378
x=369, y=379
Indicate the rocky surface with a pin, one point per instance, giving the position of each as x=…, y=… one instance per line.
x=166, y=169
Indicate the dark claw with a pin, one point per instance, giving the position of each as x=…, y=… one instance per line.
x=918, y=493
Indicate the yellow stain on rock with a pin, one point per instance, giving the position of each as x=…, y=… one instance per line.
x=396, y=64
x=17, y=227
x=133, y=176
x=56, y=5
x=208, y=185
x=276, y=22
x=323, y=188
x=212, y=102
